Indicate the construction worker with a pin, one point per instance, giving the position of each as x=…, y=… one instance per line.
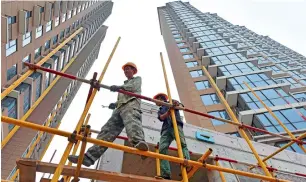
x=126, y=114
x=167, y=134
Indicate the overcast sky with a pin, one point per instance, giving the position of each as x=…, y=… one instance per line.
x=136, y=21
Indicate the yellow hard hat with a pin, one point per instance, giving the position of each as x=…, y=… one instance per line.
x=130, y=64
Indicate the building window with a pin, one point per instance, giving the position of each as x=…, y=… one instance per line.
x=192, y=64
x=56, y=23
x=181, y=44
x=68, y=30
x=37, y=53
x=183, y=50
x=289, y=117
x=47, y=79
x=220, y=50
x=26, y=89
x=229, y=58
x=215, y=43
x=28, y=14
x=202, y=85
x=178, y=39
x=26, y=60
x=196, y=73
x=253, y=80
x=47, y=45
x=11, y=104
x=74, y=11
x=234, y=69
x=11, y=47
x=64, y=17
x=301, y=97
x=26, y=38
x=54, y=42
x=62, y=34
x=220, y=114
x=274, y=69
x=271, y=97
x=289, y=80
x=11, y=20
x=294, y=147
x=234, y=134
x=49, y=26
x=68, y=15
x=39, y=31
x=11, y=72
x=188, y=56
x=79, y=9
x=210, y=99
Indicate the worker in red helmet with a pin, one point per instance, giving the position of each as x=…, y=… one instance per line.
x=167, y=134
x=126, y=114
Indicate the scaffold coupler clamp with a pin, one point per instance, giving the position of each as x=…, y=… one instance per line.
x=31, y=66
x=185, y=163
x=86, y=133
x=72, y=137
x=94, y=83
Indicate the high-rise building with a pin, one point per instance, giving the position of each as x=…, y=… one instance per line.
x=60, y=35
x=233, y=55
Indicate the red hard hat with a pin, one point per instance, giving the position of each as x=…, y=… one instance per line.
x=160, y=94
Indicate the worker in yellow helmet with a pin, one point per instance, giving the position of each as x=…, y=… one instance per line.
x=126, y=114
x=167, y=134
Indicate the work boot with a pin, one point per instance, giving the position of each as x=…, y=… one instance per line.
x=142, y=146
x=163, y=177
x=86, y=161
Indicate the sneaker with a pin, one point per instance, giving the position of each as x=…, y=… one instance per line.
x=74, y=159
x=142, y=146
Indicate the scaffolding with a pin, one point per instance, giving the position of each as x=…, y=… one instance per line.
x=28, y=168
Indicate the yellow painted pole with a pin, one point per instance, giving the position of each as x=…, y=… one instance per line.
x=157, y=163
x=29, y=72
x=284, y=147
x=274, y=116
x=174, y=123
x=86, y=109
x=134, y=150
x=24, y=117
x=82, y=152
x=234, y=118
x=33, y=147
x=202, y=160
x=221, y=173
x=76, y=146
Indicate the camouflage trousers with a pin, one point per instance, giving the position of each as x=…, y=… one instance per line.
x=167, y=136
x=128, y=116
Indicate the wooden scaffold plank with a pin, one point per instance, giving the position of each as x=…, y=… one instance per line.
x=28, y=169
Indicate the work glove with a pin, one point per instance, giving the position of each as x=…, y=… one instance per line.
x=112, y=106
x=114, y=88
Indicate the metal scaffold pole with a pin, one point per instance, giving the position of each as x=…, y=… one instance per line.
x=234, y=118
x=77, y=129
x=175, y=129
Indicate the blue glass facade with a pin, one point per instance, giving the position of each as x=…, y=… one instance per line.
x=275, y=72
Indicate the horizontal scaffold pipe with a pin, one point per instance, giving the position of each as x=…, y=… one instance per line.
x=96, y=84
x=134, y=150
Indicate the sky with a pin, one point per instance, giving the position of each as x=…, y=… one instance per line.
x=136, y=21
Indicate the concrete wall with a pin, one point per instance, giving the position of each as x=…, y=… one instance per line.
x=225, y=146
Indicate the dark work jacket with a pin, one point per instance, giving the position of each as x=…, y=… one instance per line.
x=168, y=121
